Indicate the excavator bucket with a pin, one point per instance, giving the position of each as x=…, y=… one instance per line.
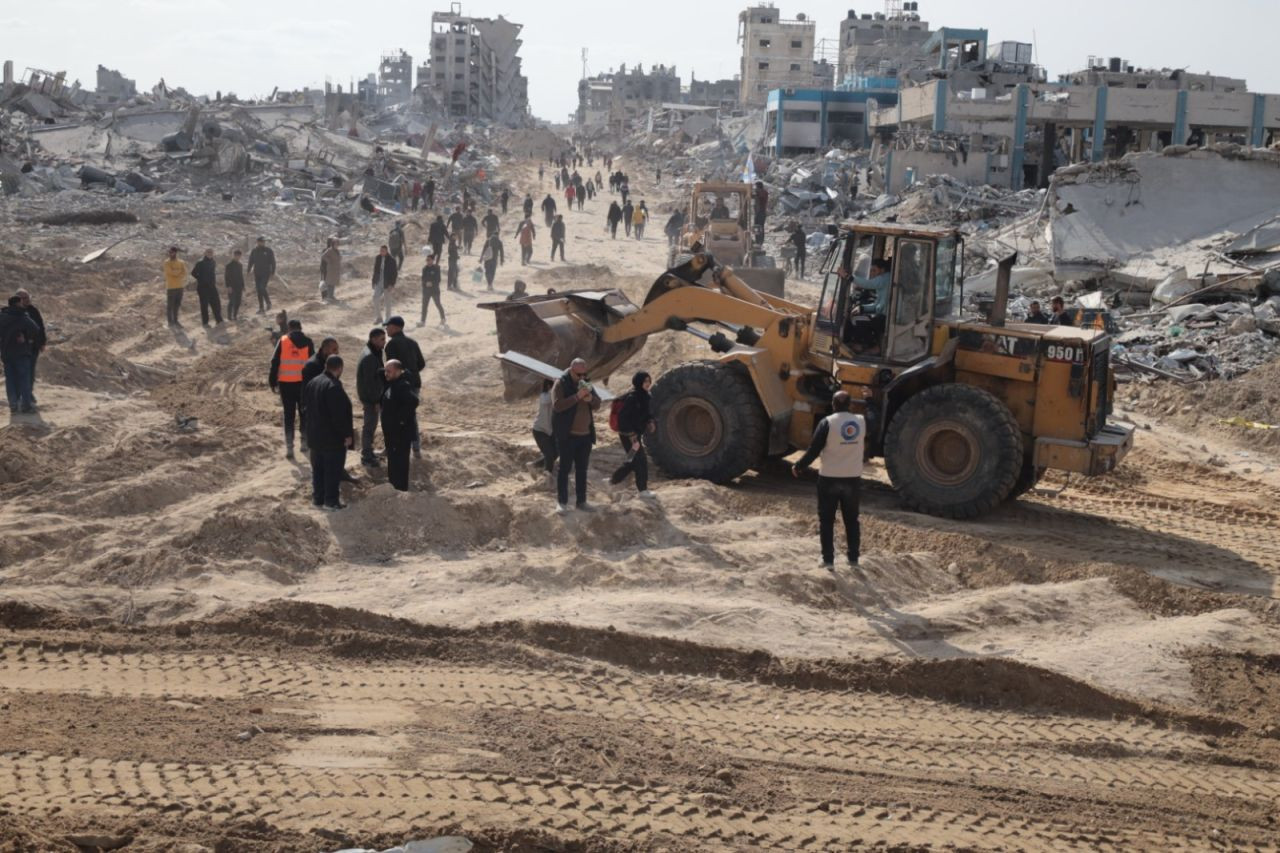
x=556, y=329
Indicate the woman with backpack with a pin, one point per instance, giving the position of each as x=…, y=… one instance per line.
x=631, y=419
x=542, y=431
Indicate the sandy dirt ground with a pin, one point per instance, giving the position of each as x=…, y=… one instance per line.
x=193, y=658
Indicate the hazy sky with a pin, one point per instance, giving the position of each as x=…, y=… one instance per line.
x=249, y=47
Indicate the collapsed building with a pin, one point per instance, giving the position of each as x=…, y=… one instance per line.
x=622, y=95
x=475, y=69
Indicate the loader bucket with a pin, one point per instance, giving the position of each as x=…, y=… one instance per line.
x=556, y=329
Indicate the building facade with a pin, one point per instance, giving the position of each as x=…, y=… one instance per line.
x=626, y=94
x=882, y=45
x=776, y=53
x=475, y=68
x=395, y=78
x=804, y=121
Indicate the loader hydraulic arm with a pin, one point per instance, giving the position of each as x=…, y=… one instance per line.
x=690, y=304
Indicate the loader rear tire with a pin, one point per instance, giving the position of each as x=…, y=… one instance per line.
x=954, y=451
x=1028, y=477
x=710, y=423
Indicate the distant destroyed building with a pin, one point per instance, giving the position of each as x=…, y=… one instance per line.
x=475, y=67
x=395, y=78
x=776, y=53
x=722, y=94
x=114, y=86
x=626, y=94
x=882, y=44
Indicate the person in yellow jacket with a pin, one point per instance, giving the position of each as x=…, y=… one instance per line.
x=175, y=280
x=638, y=218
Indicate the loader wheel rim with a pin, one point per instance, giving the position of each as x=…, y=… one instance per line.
x=696, y=427
x=948, y=452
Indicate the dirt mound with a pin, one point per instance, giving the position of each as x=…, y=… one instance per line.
x=386, y=523
x=884, y=581
x=270, y=537
x=1254, y=396
x=996, y=682
x=572, y=278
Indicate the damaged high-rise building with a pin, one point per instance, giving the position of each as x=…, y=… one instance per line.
x=475, y=68
x=776, y=54
x=395, y=78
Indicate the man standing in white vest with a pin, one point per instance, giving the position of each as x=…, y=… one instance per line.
x=839, y=441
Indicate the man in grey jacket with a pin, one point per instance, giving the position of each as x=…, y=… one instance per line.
x=369, y=387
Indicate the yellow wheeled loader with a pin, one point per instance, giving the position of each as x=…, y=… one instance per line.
x=966, y=414
x=720, y=222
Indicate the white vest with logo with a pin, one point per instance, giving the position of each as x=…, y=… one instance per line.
x=842, y=454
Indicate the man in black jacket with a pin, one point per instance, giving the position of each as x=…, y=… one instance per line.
x=431, y=288
x=205, y=272
x=329, y=432
x=384, y=283
x=24, y=299
x=405, y=350
x=429, y=193
x=613, y=217
x=557, y=236
x=491, y=223
x=369, y=387
x=233, y=277
x=315, y=365
x=436, y=235
x=262, y=263
x=549, y=209
x=18, y=334
x=469, y=229
x=399, y=424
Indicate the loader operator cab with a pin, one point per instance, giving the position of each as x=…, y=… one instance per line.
x=883, y=286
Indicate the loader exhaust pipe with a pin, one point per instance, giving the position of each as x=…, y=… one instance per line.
x=1000, y=308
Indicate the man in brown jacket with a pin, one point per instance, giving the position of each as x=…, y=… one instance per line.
x=574, y=403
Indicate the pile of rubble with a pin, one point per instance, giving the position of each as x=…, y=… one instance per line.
x=320, y=157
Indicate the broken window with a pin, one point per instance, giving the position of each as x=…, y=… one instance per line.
x=764, y=66
x=805, y=116
x=766, y=42
x=796, y=44
x=795, y=66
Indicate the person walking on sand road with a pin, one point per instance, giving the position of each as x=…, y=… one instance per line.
x=557, y=236
x=635, y=422
x=628, y=216
x=549, y=209
x=330, y=433
x=395, y=243
x=470, y=227
x=205, y=272
x=405, y=350
x=369, y=388
x=384, y=283
x=262, y=265
x=528, y=207
x=399, y=406
x=437, y=233
x=175, y=282
x=839, y=441
x=492, y=257
x=613, y=217
x=331, y=269
x=573, y=423
x=285, y=378
x=452, y=255
x=638, y=219
x=431, y=288
x=525, y=235
x=491, y=223
x=233, y=277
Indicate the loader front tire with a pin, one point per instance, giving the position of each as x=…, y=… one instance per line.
x=710, y=423
x=953, y=450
